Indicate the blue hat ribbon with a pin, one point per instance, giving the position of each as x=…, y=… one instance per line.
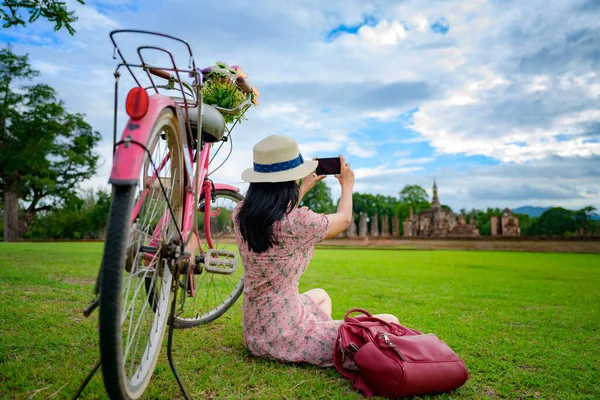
x=280, y=166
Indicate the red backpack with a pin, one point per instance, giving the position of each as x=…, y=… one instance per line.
x=395, y=361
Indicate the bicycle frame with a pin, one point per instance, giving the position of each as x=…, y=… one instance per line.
x=129, y=155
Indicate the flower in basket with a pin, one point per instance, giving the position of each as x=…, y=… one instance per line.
x=220, y=88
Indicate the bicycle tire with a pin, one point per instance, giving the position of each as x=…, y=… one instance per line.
x=117, y=318
x=233, y=287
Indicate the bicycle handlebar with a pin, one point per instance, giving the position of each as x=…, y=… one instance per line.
x=161, y=73
x=243, y=84
x=240, y=81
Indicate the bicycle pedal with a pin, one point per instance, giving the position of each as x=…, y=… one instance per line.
x=220, y=261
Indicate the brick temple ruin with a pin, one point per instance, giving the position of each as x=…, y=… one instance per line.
x=438, y=222
x=506, y=225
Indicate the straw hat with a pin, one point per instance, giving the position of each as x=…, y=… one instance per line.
x=278, y=159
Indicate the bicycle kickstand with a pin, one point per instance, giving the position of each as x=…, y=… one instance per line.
x=88, y=310
x=87, y=380
x=170, y=337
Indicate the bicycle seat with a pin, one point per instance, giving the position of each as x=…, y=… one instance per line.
x=213, y=123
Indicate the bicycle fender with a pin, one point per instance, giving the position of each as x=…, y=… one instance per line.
x=128, y=156
x=224, y=186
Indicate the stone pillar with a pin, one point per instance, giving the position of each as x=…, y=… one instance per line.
x=495, y=222
x=395, y=226
x=408, y=228
x=503, y=225
x=351, y=232
x=375, y=225
x=385, y=226
x=362, y=225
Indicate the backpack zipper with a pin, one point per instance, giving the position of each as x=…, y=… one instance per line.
x=391, y=345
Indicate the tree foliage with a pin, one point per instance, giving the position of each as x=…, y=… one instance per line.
x=45, y=151
x=364, y=203
x=416, y=197
x=556, y=221
x=54, y=11
x=79, y=217
x=318, y=199
x=483, y=219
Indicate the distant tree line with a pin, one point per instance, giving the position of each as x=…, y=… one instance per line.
x=84, y=215
x=79, y=216
x=553, y=222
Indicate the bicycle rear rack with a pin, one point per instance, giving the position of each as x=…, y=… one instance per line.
x=186, y=101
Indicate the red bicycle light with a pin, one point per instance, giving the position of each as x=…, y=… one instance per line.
x=137, y=102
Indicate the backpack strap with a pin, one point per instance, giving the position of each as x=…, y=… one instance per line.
x=360, y=310
x=392, y=327
x=362, y=386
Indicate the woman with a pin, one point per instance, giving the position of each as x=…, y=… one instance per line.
x=276, y=241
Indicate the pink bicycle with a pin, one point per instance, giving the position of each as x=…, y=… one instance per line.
x=169, y=229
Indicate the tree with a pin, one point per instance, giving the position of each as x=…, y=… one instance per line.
x=52, y=10
x=44, y=150
x=482, y=218
x=416, y=197
x=555, y=221
x=318, y=199
x=583, y=218
x=79, y=217
x=526, y=223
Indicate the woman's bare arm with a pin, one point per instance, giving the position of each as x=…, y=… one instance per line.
x=340, y=221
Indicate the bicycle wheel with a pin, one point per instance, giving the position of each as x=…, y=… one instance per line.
x=215, y=293
x=135, y=288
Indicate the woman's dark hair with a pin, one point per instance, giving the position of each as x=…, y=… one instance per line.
x=264, y=204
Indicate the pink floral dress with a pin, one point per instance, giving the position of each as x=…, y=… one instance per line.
x=279, y=322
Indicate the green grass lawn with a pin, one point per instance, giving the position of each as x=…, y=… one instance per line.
x=526, y=324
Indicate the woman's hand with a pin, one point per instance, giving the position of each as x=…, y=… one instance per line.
x=346, y=175
x=309, y=181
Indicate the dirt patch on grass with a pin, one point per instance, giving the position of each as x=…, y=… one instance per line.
x=584, y=245
x=490, y=393
x=530, y=368
x=79, y=281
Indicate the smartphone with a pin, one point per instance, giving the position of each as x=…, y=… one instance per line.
x=328, y=166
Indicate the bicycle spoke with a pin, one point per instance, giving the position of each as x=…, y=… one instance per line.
x=215, y=292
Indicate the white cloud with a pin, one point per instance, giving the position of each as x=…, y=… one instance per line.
x=320, y=149
x=414, y=161
x=383, y=115
x=416, y=139
x=90, y=19
x=420, y=23
x=381, y=170
x=568, y=182
x=354, y=149
x=383, y=35
x=539, y=84
x=47, y=67
x=402, y=153
x=502, y=83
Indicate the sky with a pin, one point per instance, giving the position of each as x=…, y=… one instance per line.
x=498, y=100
